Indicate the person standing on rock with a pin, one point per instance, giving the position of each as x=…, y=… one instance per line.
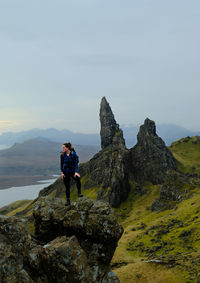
x=69, y=167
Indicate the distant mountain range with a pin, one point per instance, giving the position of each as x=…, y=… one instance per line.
x=168, y=132
x=38, y=156
x=60, y=136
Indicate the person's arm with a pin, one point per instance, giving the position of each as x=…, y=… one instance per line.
x=76, y=162
x=61, y=165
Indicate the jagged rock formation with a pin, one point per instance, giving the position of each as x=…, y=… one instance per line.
x=108, y=168
x=150, y=158
x=107, y=171
x=109, y=127
x=73, y=244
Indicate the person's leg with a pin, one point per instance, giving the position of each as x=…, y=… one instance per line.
x=78, y=185
x=66, y=181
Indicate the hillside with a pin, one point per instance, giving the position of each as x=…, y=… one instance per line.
x=187, y=152
x=162, y=246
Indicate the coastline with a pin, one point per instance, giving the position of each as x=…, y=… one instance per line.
x=27, y=192
x=7, y=181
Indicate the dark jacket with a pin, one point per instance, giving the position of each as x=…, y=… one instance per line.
x=69, y=164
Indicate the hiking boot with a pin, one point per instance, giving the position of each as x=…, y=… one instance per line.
x=68, y=203
x=80, y=195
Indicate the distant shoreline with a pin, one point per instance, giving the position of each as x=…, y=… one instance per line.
x=7, y=181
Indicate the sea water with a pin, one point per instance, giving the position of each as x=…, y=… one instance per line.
x=24, y=192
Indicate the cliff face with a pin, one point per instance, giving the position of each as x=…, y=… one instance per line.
x=73, y=244
x=150, y=158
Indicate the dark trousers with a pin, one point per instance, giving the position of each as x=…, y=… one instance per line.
x=66, y=181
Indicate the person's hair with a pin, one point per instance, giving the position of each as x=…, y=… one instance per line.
x=68, y=145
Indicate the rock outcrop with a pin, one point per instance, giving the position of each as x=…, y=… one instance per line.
x=173, y=190
x=109, y=127
x=150, y=158
x=13, y=244
x=108, y=169
x=73, y=244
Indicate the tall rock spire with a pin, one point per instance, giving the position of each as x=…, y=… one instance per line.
x=108, y=124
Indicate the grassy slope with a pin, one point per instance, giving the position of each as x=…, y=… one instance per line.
x=171, y=235
x=160, y=232
x=14, y=207
x=187, y=152
x=168, y=235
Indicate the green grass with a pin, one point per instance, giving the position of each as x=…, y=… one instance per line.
x=145, y=230
x=15, y=207
x=187, y=152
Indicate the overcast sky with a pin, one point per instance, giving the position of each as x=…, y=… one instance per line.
x=58, y=58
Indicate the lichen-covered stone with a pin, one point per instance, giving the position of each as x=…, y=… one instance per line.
x=92, y=223
x=93, y=219
x=61, y=260
x=71, y=244
x=13, y=241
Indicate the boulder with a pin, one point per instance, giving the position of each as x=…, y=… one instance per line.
x=71, y=244
x=92, y=223
x=61, y=260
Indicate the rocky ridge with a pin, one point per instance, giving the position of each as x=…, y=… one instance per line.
x=73, y=244
x=115, y=167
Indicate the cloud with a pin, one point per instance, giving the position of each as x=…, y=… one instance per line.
x=5, y=123
x=13, y=119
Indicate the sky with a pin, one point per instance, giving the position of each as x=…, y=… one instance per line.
x=59, y=58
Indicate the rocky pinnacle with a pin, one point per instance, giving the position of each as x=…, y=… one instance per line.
x=151, y=158
x=147, y=129
x=108, y=124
